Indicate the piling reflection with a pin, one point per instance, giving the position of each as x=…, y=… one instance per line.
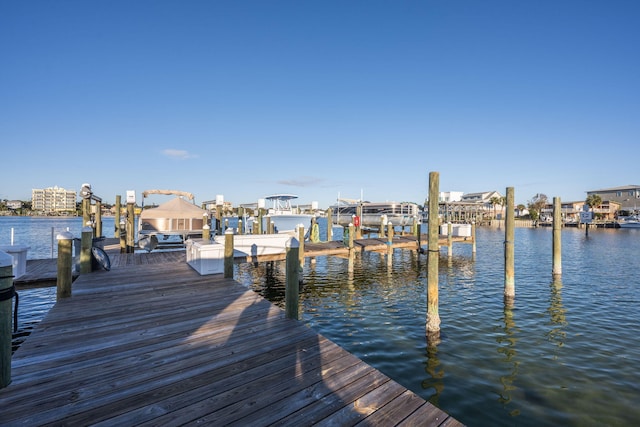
x=435, y=380
x=507, y=347
x=557, y=313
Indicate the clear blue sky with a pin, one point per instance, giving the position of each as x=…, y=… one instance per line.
x=319, y=98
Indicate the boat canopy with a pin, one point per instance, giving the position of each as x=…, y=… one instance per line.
x=281, y=197
x=175, y=215
x=176, y=192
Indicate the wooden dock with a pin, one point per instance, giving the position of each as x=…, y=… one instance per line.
x=152, y=342
x=43, y=272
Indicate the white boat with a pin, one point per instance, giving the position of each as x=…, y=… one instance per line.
x=373, y=213
x=629, y=222
x=284, y=216
x=170, y=223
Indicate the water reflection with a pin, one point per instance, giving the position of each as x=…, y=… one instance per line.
x=507, y=347
x=557, y=313
x=435, y=380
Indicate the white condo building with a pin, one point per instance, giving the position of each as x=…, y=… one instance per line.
x=53, y=200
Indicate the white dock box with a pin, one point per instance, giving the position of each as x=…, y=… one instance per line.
x=457, y=230
x=205, y=257
x=19, y=255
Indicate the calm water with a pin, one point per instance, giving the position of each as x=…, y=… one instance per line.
x=565, y=354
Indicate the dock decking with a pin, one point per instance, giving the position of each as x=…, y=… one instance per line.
x=151, y=342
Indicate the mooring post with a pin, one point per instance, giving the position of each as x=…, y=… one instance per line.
x=123, y=236
x=228, y=253
x=509, y=236
x=329, y=225
x=86, y=210
x=449, y=239
x=301, y=248
x=86, y=242
x=65, y=261
x=7, y=291
x=131, y=217
x=351, y=237
x=557, y=237
x=240, y=221
x=292, y=289
x=382, y=225
x=473, y=237
x=98, y=218
x=433, y=317
x=116, y=219
x=218, y=216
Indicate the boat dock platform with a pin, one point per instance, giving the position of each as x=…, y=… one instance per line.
x=152, y=342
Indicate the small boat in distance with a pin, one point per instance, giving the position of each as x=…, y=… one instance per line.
x=284, y=216
x=397, y=213
x=632, y=221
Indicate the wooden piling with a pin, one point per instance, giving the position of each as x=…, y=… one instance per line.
x=7, y=291
x=85, y=249
x=65, y=261
x=98, y=223
x=382, y=226
x=557, y=237
x=301, y=248
x=473, y=237
x=116, y=219
x=509, y=236
x=359, y=226
x=219, y=219
x=390, y=233
x=329, y=225
x=131, y=216
x=86, y=211
x=292, y=289
x=433, y=317
x=228, y=253
x=449, y=239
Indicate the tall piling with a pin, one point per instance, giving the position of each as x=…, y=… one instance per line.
x=509, y=236
x=116, y=219
x=433, y=251
x=64, y=264
x=7, y=291
x=228, y=253
x=292, y=289
x=557, y=237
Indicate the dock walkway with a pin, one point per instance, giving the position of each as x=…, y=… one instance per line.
x=152, y=342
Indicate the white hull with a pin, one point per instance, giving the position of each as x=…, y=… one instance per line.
x=629, y=224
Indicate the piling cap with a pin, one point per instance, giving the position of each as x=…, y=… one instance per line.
x=6, y=260
x=65, y=235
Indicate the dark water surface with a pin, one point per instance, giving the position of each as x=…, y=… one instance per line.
x=566, y=353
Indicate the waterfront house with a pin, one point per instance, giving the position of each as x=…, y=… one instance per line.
x=628, y=196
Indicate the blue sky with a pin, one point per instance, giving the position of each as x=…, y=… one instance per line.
x=319, y=98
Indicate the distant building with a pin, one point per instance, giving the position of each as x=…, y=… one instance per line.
x=481, y=198
x=450, y=196
x=628, y=196
x=14, y=204
x=53, y=200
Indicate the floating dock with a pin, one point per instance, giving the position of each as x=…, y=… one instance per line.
x=152, y=342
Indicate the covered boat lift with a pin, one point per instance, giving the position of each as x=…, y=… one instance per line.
x=177, y=217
